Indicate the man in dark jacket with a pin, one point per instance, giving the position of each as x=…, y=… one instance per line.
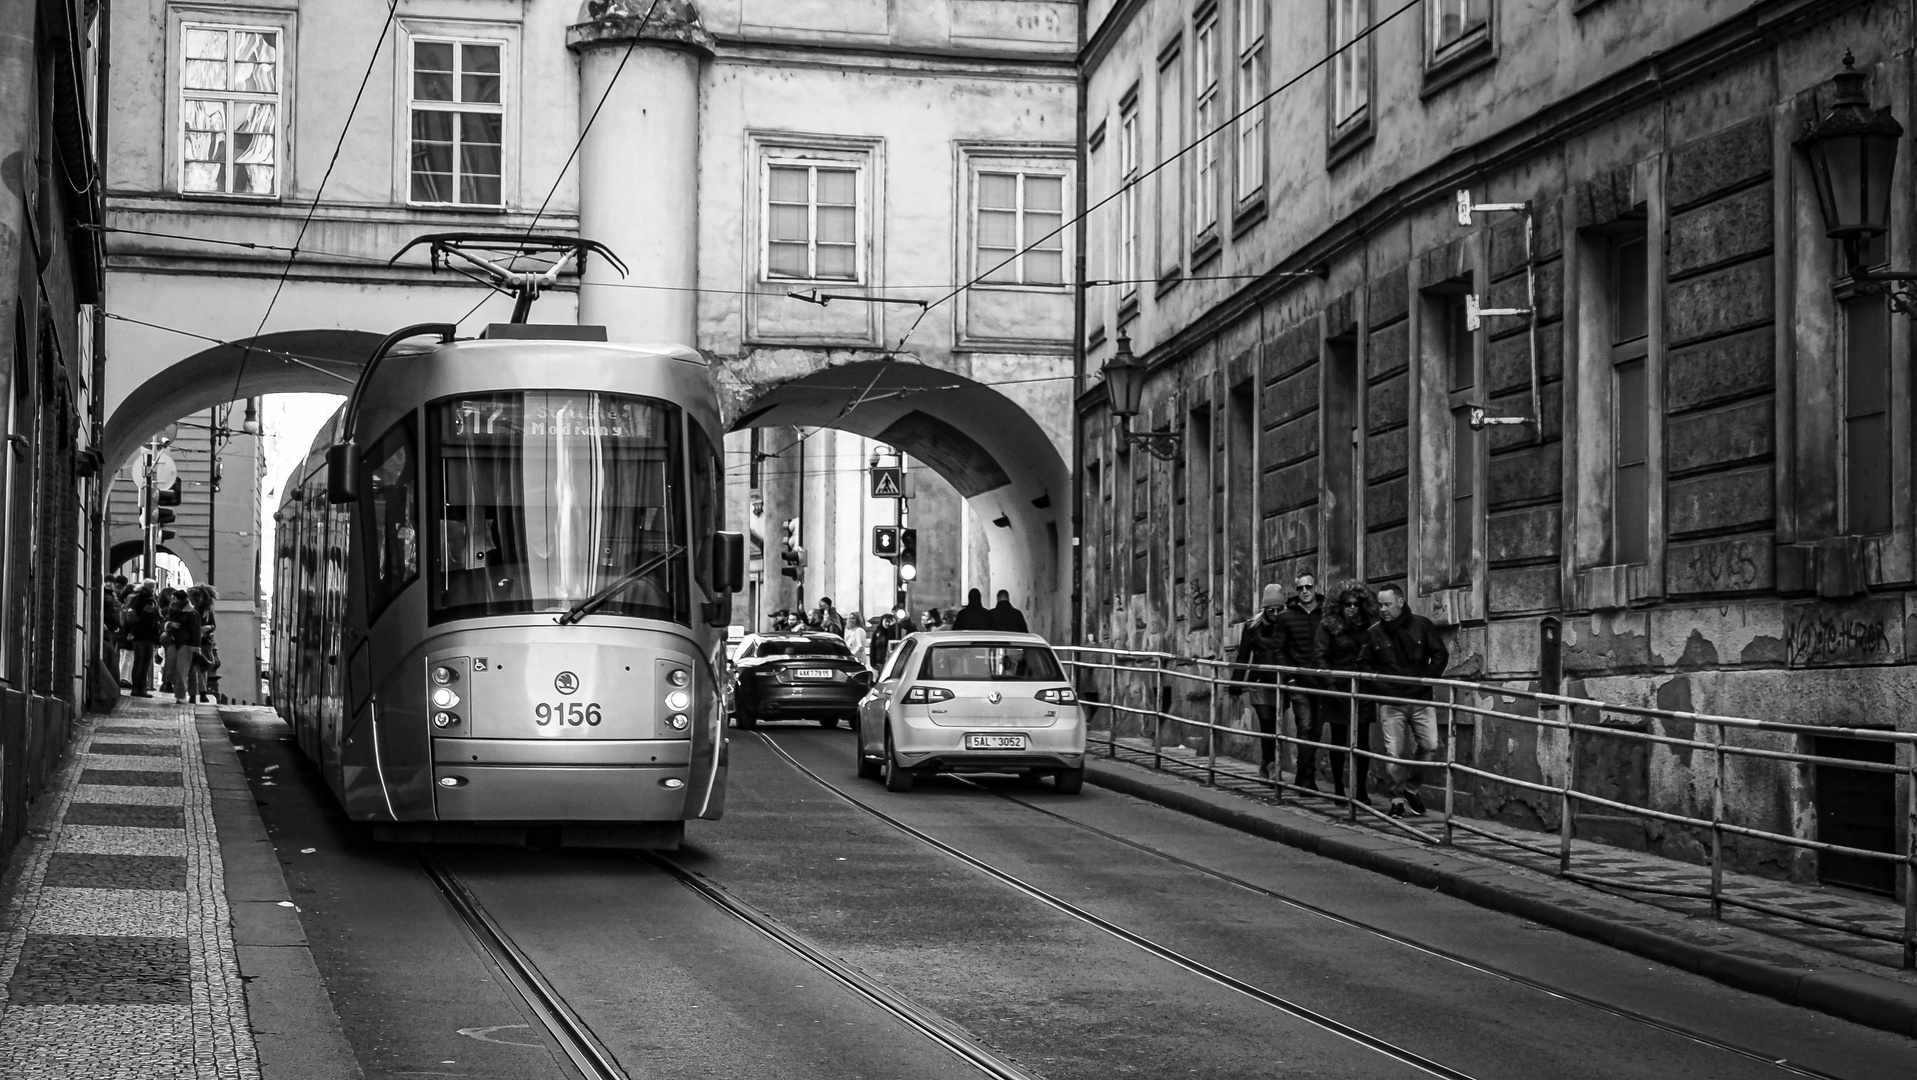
x=1300, y=621
x=1006, y=618
x=886, y=634
x=973, y=615
x=1408, y=646
x=1263, y=641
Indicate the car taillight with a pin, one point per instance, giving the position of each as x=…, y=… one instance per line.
x=1058, y=696
x=925, y=695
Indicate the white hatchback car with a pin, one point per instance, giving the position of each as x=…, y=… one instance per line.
x=971, y=701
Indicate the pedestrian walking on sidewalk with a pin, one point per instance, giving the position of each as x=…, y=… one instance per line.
x=1342, y=637
x=1262, y=642
x=1406, y=645
x=1300, y=619
x=142, y=638
x=182, y=639
x=207, y=662
x=1007, y=619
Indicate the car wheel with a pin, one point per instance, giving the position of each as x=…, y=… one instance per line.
x=828, y=721
x=896, y=779
x=869, y=767
x=1069, y=781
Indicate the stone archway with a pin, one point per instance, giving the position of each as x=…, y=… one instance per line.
x=127, y=544
x=990, y=448
x=287, y=362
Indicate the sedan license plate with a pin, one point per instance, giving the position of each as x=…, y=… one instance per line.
x=995, y=742
x=814, y=673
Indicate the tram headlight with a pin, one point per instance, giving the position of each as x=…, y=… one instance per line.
x=444, y=698
x=679, y=677
x=444, y=675
x=445, y=719
x=678, y=701
x=677, y=721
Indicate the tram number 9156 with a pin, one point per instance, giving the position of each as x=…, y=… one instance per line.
x=568, y=713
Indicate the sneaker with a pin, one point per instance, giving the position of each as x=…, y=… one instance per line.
x=1397, y=808
x=1417, y=805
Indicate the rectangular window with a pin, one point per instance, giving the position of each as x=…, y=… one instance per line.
x=1459, y=343
x=458, y=122
x=1208, y=114
x=1351, y=66
x=1130, y=268
x=388, y=485
x=812, y=221
x=1171, y=187
x=1630, y=402
x=1454, y=22
x=1251, y=89
x=230, y=111
x=1014, y=211
x=1867, y=415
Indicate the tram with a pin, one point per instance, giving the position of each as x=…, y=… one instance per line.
x=502, y=584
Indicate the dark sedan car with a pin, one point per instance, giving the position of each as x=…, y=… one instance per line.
x=797, y=677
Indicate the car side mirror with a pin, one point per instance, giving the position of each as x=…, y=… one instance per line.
x=728, y=562
x=342, y=473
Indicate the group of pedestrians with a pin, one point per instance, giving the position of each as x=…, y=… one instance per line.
x=144, y=622
x=874, y=638
x=1357, y=631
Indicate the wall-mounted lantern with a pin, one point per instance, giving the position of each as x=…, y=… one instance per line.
x=1125, y=386
x=1852, y=153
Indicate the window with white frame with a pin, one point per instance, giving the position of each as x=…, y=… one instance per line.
x=1251, y=89
x=1128, y=156
x=1351, y=64
x=1206, y=100
x=458, y=122
x=1017, y=220
x=230, y=110
x=811, y=221
x=1454, y=22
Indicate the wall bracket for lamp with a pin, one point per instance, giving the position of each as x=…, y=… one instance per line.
x=1475, y=314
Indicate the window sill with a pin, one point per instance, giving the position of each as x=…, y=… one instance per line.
x=1250, y=213
x=1612, y=588
x=1579, y=7
x=231, y=196
x=1205, y=248
x=1127, y=309
x=1095, y=336
x=1348, y=138
x=1457, y=62
x=1453, y=606
x=462, y=208
x=1168, y=281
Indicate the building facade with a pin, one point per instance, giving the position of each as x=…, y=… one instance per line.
x=1709, y=491
x=50, y=275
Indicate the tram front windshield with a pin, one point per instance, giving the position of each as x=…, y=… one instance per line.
x=547, y=496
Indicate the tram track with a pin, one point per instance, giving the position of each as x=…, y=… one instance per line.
x=1784, y=1065
x=1190, y=964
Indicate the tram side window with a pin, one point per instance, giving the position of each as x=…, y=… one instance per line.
x=708, y=497
x=389, y=488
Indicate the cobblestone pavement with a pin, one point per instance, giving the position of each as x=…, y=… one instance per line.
x=1512, y=845
x=117, y=956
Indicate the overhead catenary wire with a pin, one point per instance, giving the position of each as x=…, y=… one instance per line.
x=392, y=8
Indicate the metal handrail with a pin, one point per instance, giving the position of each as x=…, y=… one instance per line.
x=1554, y=712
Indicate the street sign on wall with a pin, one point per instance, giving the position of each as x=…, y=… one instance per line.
x=888, y=482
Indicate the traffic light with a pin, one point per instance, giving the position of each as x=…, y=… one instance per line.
x=168, y=496
x=793, y=555
x=908, y=554
x=885, y=541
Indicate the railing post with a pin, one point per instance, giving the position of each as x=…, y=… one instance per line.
x=1211, y=729
x=1158, y=712
x=1352, y=764
x=1910, y=862
x=1277, y=735
x=1112, y=703
x=1450, y=754
x=1565, y=811
x=1717, y=821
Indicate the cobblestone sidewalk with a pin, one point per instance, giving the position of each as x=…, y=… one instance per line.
x=1589, y=860
x=117, y=958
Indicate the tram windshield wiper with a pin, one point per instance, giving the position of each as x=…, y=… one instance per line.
x=591, y=603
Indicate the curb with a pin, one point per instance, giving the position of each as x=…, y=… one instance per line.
x=1849, y=995
x=296, y=1029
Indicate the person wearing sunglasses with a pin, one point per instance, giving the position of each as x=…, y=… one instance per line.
x=1343, y=637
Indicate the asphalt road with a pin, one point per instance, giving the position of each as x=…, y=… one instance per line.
x=675, y=987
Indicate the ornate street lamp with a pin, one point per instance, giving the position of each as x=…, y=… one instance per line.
x=1125, y=386
x=1852, y=153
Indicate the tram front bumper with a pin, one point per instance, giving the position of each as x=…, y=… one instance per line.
x=573, y=780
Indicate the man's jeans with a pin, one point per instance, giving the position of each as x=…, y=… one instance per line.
x=1403, y=725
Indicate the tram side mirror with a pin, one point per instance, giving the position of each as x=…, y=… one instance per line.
x=728, y=562
x=342, y=474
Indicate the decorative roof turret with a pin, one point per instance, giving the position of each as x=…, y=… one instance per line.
x=666, y=22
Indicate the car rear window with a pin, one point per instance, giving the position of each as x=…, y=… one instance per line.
x=812, y=647
x=991, y=663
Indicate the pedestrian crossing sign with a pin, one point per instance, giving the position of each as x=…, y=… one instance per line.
x=888, y=483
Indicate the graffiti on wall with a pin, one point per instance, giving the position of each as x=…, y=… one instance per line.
x=1830, y=635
